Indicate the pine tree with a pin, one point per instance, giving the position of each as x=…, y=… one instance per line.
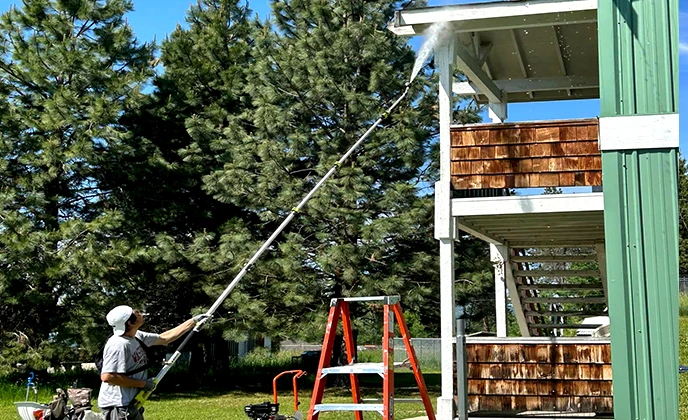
x=683, y=215
x=323, y=72
x=161, y=187
x=68, y=70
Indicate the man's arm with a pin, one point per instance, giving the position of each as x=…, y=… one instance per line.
x=170, y=335
x=119, y=379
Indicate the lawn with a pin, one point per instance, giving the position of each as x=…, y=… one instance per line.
x=230, y=406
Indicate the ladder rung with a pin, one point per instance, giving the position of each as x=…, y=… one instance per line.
x=349, y=407
x=396, y=400
x=388, y=300
x=357, y=368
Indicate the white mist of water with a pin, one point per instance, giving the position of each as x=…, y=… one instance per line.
x=432, y=35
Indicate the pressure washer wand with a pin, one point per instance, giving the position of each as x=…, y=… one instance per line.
x=142, y=396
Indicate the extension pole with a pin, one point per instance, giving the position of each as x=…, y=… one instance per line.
x=143, y=396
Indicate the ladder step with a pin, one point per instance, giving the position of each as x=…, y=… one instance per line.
x=349, y=407
x=556, y=273
x=560, y=286
x=388, y=300
x=396, y=400
x=357, y=368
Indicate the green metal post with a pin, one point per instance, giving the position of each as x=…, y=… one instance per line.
x=638, y=47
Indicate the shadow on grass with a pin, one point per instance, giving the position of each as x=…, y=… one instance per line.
x=404, y=384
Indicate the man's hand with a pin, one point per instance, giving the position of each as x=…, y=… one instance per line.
x=201, y=317
x=149, y=386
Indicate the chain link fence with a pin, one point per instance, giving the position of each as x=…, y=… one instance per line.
x=427, y=351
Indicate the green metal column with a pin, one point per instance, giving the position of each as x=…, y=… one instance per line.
x=638, y=49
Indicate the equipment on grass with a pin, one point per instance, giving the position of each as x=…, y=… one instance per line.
x=143, y=396
x=270, y=411
x=339, y=307
x=31, y=410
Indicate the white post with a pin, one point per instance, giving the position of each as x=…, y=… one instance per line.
x=243, y=349
x=602, y=265
x=444, y=229
x=497, y=111
x=500, y=289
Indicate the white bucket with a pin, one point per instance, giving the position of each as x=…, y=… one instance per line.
x=26, y=409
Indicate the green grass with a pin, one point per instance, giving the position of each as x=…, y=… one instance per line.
x=683, y=360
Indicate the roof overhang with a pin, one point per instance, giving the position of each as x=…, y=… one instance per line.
x=517, y=51
x=555, y=220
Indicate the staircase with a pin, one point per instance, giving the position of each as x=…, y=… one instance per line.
x=554, y=289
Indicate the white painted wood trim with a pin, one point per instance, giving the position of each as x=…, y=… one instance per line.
x=632, y=132
x=555, y=203
x=474, y=231
x=445, y=408
x=514, y=295
x=500, y=290
x=470, y=66
x=531, y=85
x=550, y=12
x=444, y=56
x=498, y=112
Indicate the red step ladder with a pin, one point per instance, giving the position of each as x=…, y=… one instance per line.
x=339, y=307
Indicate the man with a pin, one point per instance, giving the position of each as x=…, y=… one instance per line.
x=124, y=361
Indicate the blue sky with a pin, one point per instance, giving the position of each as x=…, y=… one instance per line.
x=157, y=18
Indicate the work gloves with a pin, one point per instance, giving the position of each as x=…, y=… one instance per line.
x=149, y=386
x=200, y=317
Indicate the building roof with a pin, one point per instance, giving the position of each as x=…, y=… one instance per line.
x=530, y=50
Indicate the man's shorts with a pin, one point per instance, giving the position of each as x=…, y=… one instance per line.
x=121, y=413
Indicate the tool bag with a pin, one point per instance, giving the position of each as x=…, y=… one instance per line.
x=57, y=408
x=81, y=402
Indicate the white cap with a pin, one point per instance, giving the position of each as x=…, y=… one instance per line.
x=118, y=318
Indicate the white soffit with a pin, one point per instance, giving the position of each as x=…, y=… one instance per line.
x=496, y=15
x=517, y=51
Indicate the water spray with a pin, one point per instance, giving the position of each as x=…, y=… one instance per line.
x=424, y=53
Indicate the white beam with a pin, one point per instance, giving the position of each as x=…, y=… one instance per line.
x=470, y=66
x=497, y=112
x=519, y=57
x=513, y=291
x=497, y=16
x=555, y=203
x=478, y=233
x=500, y=290
x=560, y=55
x=531, y=85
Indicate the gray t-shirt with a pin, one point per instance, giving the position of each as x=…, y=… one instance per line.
x=121, y=355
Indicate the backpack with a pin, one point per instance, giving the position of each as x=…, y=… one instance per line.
x=57, y=409
x=99, y=360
